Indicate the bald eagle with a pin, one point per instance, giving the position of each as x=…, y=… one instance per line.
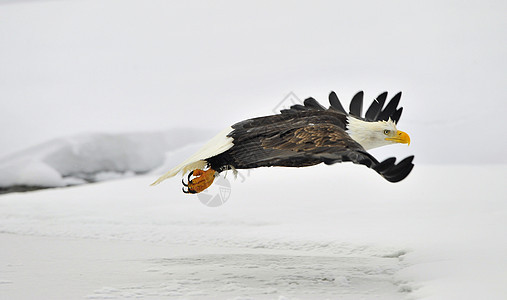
x=301, y=136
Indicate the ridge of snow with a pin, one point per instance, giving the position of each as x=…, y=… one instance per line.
x=95, y=157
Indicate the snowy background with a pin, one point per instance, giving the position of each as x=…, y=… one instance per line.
x=99, y=90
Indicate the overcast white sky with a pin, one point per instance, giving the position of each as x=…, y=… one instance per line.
x=69, y=67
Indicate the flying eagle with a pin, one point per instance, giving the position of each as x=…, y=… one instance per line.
x=301, y=136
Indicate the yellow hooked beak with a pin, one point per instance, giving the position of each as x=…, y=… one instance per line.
x=400, y=137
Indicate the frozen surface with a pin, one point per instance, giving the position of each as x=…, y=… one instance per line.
x=307, y=233
x=96, y=157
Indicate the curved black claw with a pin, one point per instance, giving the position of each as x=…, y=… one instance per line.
x=190, y=175
x=188, y=191
x=183, y=182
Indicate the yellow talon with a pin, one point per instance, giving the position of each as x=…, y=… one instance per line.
x=203, y=179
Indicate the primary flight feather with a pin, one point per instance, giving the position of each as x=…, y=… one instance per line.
x=301, y=136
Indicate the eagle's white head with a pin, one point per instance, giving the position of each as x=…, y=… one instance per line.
x=375, y=134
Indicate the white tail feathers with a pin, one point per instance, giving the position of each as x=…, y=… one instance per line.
x=219, y=144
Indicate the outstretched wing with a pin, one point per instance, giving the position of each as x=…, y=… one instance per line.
x=330, y=144
x=303, y=141
x=376, y=111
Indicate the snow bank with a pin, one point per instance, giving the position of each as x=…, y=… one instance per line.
x=97, y=157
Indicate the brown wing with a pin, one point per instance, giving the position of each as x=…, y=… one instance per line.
x=314, y=138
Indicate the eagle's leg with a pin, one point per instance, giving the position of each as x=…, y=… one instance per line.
x=202, y=180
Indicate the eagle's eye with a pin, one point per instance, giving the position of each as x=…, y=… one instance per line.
x=386, y=132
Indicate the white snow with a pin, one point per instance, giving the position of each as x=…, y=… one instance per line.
x=308, y=233
x=95, y=157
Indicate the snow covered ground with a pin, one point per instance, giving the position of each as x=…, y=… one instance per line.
x=309, y=233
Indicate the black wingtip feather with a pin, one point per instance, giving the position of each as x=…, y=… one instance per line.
x=335, y=102
x=376, y=107
x=390, y=108
x=395, y=173
x=398, y=167
x=312, y=103
x=396, y=115
x=356, y=104
x=384, y=165
x=401, y=174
